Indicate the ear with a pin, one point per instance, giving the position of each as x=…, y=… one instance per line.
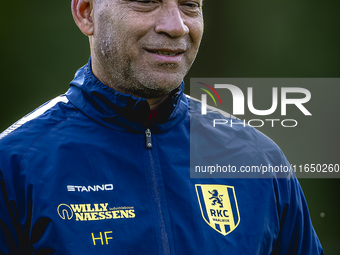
x=82, y=14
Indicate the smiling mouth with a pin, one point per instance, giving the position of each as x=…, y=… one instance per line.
x=165, y=53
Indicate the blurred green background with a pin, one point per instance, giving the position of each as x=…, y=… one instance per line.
x=41, y=48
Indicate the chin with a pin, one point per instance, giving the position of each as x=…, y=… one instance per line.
x=153, y=90
x=164, y=87
x=156, y=86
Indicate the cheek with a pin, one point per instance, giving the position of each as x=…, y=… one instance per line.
x=197, y=33
x=132, y=38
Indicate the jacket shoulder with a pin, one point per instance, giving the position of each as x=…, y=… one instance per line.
x=22, y=134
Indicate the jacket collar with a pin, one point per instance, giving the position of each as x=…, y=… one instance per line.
x=122, y=111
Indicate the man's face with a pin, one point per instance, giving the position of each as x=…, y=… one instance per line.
x=145, y=48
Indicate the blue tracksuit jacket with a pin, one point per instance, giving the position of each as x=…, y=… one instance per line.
x=85, y=174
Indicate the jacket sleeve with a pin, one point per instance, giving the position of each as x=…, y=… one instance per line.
x=9, y=227
x=14, y=223
x=19, y=230
x=297, y=235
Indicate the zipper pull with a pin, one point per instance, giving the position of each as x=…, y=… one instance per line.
x=148, y=139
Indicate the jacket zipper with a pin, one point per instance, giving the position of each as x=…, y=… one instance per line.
x=156, y=196
x=148, y=141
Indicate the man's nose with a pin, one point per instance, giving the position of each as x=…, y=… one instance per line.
x=170, y=22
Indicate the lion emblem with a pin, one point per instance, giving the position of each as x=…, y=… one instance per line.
x=216, y=198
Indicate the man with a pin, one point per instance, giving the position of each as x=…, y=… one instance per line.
x=105, y=168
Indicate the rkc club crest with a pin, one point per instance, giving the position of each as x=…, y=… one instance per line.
x=218, y=207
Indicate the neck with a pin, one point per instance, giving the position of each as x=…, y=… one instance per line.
x=154, y=103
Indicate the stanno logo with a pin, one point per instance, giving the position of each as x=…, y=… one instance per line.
x=219, y=207
x=103, y=187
